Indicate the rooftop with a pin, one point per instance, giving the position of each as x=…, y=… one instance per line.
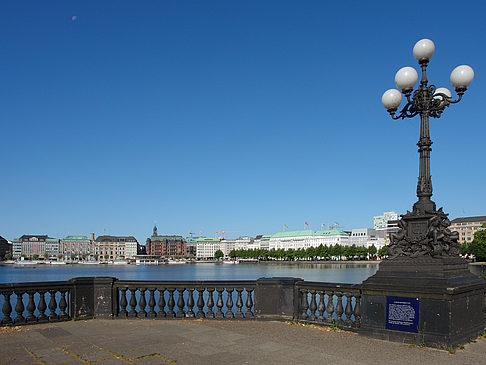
x=308, y=232
x=481, y=218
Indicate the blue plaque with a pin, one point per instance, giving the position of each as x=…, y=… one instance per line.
x=402, y=314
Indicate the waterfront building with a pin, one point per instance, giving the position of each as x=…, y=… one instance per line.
x=115, y=247
x=165, y=245
x=241, y=243
x=366, y=237
x=206, y=247
x=16, y=248
x=308, y=238
x=262, y=241
x=76, y=245
x=52, y=248
x=32, y=246
x=5, y=247
x=191, y=245
x=466, y=227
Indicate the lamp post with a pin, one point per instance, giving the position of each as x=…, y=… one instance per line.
x=424, y=232
x=424, y=291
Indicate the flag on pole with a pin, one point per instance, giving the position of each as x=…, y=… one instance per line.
x=306, y=223
x=285, y=226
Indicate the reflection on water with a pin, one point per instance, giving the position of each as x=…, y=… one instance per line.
x=332, y=273
x=337, y=273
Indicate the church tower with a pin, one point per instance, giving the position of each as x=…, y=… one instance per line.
x=155, y=231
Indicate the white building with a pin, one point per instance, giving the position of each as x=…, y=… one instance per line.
x=262, y=241
x=386, y=224
x=308, y=238
x=382, y=221
x=366, y=237
x=241, y=243
x=206, y=247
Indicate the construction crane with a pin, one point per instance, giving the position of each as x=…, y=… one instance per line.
x=224, y=232
x=191, y=233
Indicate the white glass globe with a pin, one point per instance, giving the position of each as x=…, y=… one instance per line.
x=391, y=99
x=462, y=76
x=442, y=90
x=423, y=49
x=406, y=78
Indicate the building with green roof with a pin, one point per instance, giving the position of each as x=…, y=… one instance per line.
x=206, y=247
x=308, y=238
x=77, y=246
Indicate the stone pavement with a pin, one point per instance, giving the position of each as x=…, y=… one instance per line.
x=211, y=342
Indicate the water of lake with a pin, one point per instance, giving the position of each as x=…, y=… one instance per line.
x=335, y=273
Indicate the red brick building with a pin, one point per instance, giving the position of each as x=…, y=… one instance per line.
x=165, y=245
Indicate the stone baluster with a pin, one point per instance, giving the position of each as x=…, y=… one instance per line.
x=321, y=307
x=42, y=307
x=304, y=304
x=239, y=305
x=52, y=306
x=219, y=303
x=249, y=304
x=229, y=303
x=63, y=305
x=31, y=307
x=348, y=311
x=190, y=304
x=7, y=308
x=313, y=306
x=330, y=306
x=200, y=303
x=151, y=313
x=123, y=303
x=210, y=313
x=180, y=304
x=171, y=303
x=357, y=311
x=133, y=303
x=142, y=303
x=19, y=307
x=161, y=313
x=339, y=307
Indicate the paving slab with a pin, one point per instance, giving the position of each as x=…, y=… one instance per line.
x=212, y=342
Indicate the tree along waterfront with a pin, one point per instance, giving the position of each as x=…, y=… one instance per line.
x=333, y=252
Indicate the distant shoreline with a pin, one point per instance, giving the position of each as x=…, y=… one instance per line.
x=347, y=262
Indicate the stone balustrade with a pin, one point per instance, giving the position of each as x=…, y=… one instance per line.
x=329, y=303
x=28, y=303
x=184, y=299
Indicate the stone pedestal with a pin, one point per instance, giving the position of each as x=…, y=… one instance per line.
x=92, y=297
x=441, y=294
x=276, y=298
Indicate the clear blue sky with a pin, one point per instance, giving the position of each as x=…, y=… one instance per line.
x=226, y=115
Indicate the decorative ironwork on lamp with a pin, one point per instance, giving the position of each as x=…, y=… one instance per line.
x=424, y=231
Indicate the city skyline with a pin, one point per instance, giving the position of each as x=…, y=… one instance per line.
x=220, y=116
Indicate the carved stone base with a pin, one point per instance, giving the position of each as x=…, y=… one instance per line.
x=450, y=300
x=424, y=234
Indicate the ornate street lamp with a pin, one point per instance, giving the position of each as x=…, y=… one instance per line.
x=424, y=291
x=424, y=231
